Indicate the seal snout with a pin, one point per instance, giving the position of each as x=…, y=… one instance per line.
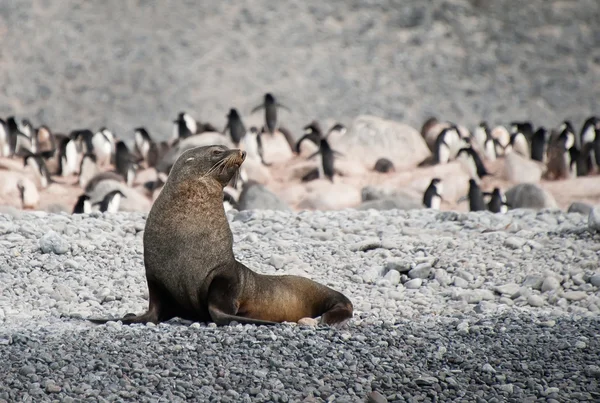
x=242, y=155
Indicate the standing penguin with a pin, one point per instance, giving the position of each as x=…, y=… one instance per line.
x=37, y=164
x=68, y=156
x=124, y=163
x=111, y=202
x=184, y=126
x=312, y=132
x=432, y=198
x=103, y=143
x=587, y=139
x=326, y=168
x=84, y=139
x=88, y=169
x=143, y=143
x=83, y=205
x=475, y=197
x=538, y=145
x=446, y=145
x=471, y=160
x=562, y=155
x=235, y=126
x=270, y=105
x=497, y=203
x=519, y=144
x=20, y=143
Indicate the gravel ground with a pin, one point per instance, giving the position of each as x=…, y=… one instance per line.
x=448, y=306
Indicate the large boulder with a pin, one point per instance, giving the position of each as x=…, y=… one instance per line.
x=133, y=200
x=324, y=195
x=255, y=196
x=370, y=138
x=518, y=169
x=528, y=195
x=275, y=148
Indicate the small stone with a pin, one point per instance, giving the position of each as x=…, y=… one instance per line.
x=465, y=275
x=487, y=368
x=422, y=270
x=595, y=280
x=508, y=289
x=442, y=277
x=366, y=245
x=463, y=327
x=514, y=242
x=535, y=300
x=376, y=397
x=233, y=393
x=548, y=323
x=393, y=276
x=507, y=388
x=53, y=388
x=401, y=266
x=550, y=284
x=460, y=282
x=277, y=261
x=53, y=242
x=426, y=381
x=27, y=370
x=575, y=295
x=413, y=284
x=549, y=391
x=533, y=281
x=308, y=322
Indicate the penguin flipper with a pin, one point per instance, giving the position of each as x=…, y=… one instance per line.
x=306, y=136
x=282, y=106
x=257, y=108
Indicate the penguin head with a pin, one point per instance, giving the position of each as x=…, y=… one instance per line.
x=312, y=127
x=435, y=181
x=233, y=114
x=338, y=127
x=269, y=98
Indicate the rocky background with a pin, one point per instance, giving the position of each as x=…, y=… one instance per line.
x=72, y=64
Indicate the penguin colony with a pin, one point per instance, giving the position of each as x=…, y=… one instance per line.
x=101, y=156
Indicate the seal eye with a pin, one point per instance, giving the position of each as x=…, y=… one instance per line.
x=216, y=152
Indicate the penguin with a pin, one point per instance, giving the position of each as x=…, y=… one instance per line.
x=229, y=201
x=111, y=202
x=384, y=165
x=497, y=203
x=326, y=168
x=432, y=198
x=44, y=140
x=21, y=188
x=270, y=104
x=205, y=127
x=336, y=132
x=125, y=166
x=481, y=134
x=235, y=126
x=88, y=169
x=68, y=156
x=312, y=132
x=567, y=127
x=524, y=127
x=587, y=139
x=20, y=143
x=471, y=160
x=143, y=143
x=252, y=144
x=83, y=205
x=562, y=155
x=5, y=150
x=519, y=144
x=156, y=153
x=84, y=140
x=38, y=165
x=445, y=145
x=475, y=197
x=502, y=140
x=103, y=143
x=184, y=126
x=538, y=145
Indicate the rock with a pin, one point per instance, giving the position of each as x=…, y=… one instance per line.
x=370, y=138
x=533, y=281
x=535, y=300
x=53, y=388
x=461, y=282
x=595, y=280
x=465, y=275
x=376, y=397
x=308, y=322
x=594, y=219
x=550, y=283
x=422, y=270
x=401, y=266
x=426, y=381
x=508, y=289
x=413, y=284
x=518, y=169
x=276, y=148
x=487, y=367
x=527, y=195
x=53, y=242
x=393, y=277
x=255, y=196
x=514, y=242
x=581, y=208
x=442, y=277
x=575, y=295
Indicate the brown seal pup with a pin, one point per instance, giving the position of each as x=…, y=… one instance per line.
x=190, y=267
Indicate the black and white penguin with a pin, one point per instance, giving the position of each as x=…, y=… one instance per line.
x=384, y=165
x=587, y=139
x=497, y=203
x=84, y=140
x=525, y=127
x=229, y=201
x=312, y=132
x=124, y=163
x=475, y=197
x=88, y=169
x=446, y=145
x=184, y=126
x=519, y=144
x=38, y=166
x=432, y=198
x=502, y=140
x=83, y=205
x=235, y=126
x=252, y=143
x=481, y=133
x=143, y=143
x=20, y=143
x=270, y=104
x=326, y=168
x=539, y=145
x=111, y=202
x=69, y=156
x=5, y=150
x=472, y=162
x=103, y=142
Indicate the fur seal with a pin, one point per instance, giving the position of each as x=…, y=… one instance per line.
x=235, y=125
x=191, y=270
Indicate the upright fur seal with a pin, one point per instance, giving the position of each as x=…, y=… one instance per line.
x=191, y=270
